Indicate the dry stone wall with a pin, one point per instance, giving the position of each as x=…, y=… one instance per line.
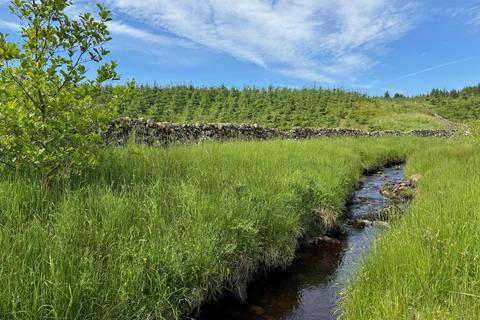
x=152, y=133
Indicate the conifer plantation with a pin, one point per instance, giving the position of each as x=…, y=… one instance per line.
x=286, y=108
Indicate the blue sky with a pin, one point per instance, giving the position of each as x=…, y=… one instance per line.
x=367, y=45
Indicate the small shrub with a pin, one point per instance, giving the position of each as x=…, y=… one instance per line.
x=48, y=119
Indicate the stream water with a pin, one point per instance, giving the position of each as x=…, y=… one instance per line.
x=309, y=289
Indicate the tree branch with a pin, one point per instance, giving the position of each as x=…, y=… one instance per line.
x=23, y=88
x=8, y=164
x=43, y=145
x=45, y=37
x=75, y=65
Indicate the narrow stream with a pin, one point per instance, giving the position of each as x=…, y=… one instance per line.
x=309, y=289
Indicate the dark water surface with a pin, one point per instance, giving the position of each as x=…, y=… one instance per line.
x=309, y=289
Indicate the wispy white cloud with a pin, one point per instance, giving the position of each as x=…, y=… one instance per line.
x=8, y=25
x=318, y=40
x=475, y=20
x=439, y=66
x=120, y=28
x=469, y=11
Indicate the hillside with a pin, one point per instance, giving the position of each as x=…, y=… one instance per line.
x=286, y=108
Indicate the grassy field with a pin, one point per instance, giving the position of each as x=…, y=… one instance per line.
x=428, y=266
x=152, y=233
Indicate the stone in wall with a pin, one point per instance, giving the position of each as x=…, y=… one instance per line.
x=306, y=133
x=386, y=133
x=434, y=133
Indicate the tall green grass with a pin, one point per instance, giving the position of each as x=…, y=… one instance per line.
x=152, y=233
x=428, y=266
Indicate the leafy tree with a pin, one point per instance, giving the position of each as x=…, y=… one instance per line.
x=48, y=119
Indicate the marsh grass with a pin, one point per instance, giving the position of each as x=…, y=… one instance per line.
x=428, y=265
x=152, y=233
